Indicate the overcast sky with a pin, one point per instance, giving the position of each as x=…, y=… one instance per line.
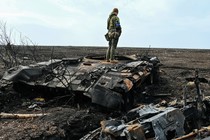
x=159, y=23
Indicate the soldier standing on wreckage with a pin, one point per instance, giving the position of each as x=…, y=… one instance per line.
x=114, y=32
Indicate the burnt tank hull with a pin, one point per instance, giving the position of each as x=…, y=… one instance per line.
x=107, y=84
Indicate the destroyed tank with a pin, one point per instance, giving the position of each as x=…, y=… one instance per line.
x=106, y=84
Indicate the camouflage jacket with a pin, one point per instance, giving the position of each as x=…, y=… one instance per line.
x=113, y=22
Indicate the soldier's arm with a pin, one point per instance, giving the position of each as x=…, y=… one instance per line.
x=117, y=24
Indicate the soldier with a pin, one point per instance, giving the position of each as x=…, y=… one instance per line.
x=114, y=32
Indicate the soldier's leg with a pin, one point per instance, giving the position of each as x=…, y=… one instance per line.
x=115, y=42
x=113, y=48
x=108, y=51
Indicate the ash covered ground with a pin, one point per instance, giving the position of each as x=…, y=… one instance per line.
x=67, y=120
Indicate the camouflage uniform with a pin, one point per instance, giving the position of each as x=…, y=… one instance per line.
x=114, y=32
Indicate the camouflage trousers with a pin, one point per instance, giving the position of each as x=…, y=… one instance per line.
x=110, y=53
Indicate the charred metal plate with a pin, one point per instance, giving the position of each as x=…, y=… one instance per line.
x=106, y=98
x=168, y=123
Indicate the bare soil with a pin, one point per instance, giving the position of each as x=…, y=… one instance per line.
x=72, y=121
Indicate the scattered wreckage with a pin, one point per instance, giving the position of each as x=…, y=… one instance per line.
x=152, y=122
x=110, y=85
x=114, y=86
x=178, y=120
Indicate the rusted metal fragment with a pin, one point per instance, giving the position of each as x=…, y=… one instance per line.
x=202, y=134
x=135, y=131
x=114, y=128
x=128, y=84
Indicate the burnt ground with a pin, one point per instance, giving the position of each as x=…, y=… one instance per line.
x=67, y=120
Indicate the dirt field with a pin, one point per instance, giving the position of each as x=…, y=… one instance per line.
x=67, y=121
